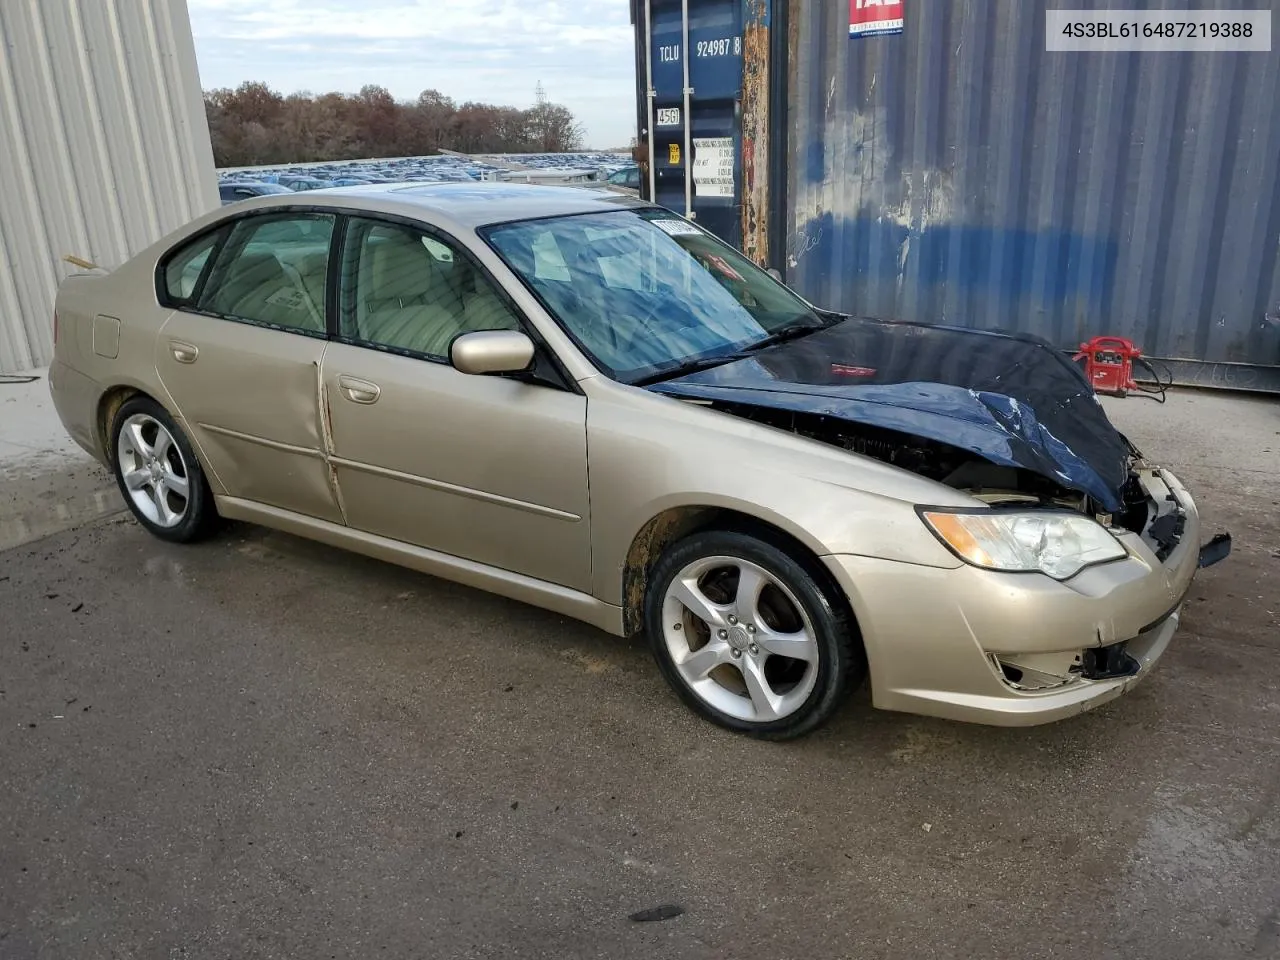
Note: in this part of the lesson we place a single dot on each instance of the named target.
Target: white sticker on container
(676, 228)
(713, 162)
(703, 188)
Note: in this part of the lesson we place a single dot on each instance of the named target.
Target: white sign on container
(713, 167)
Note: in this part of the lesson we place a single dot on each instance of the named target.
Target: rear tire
(158, 474)
(749, 636)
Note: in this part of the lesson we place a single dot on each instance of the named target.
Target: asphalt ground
(263, 747)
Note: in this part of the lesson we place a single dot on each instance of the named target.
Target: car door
(490, 469)
(240, 356)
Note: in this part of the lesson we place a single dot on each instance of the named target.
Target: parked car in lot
(626, 180)
(233, 191)
(297, 184)
(587, 403)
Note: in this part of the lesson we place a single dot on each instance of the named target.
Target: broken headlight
(1057, 544)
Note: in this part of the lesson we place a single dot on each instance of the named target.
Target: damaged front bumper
(1016, 649)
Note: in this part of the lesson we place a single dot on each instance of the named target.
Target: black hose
(9, 378)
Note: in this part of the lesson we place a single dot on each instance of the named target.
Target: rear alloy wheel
(748, 636)
(158, 474)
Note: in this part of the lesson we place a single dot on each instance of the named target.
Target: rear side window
(272, 271)
(182, 270)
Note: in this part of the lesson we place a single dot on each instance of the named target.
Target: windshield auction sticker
(875, 18)
(1116, 31)
(677, 228)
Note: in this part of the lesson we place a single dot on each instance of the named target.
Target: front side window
(272, 271)
(409, 291)
(644, 292)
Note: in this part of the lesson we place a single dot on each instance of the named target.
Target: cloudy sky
(490, 50)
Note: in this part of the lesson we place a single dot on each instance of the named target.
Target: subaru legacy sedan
(589, 404)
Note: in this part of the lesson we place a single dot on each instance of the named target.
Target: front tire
(158, 474)
(749, 636)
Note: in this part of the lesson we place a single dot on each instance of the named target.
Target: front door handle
(184, 352)
(359, 391)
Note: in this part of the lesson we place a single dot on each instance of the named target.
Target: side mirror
(775, 273)
(491, 351)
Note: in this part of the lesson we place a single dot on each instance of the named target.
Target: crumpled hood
(1011, 399)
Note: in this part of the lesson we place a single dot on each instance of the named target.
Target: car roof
(471, 205)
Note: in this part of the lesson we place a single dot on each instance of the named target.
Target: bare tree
(254, 124)
(554, 129)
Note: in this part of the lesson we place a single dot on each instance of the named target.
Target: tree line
(253, 125)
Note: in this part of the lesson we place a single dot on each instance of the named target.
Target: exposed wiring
(1157, 391)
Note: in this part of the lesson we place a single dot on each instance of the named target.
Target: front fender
(648, 458)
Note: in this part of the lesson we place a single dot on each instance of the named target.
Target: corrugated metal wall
(959, 173)
(104, 147)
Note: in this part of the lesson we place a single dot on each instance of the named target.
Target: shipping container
(699, 134)
(104, 148)
(957, 172)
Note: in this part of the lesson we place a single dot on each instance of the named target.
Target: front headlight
(1058, 544)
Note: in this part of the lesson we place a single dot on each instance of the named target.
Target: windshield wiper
(788, 331)
(691, 366)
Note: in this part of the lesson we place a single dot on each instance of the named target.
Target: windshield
(644, 292)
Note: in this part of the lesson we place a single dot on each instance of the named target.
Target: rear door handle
(359, 391)
(184, 352)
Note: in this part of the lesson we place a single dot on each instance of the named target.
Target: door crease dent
(324, 417)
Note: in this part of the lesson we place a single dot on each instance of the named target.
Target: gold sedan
(589, 404)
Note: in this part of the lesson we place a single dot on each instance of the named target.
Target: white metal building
(104, 147)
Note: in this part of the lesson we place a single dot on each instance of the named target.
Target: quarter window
(405, 290)
(272, 271)
(182, 270)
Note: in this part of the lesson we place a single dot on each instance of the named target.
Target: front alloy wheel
(740, 639)
(748, 636)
